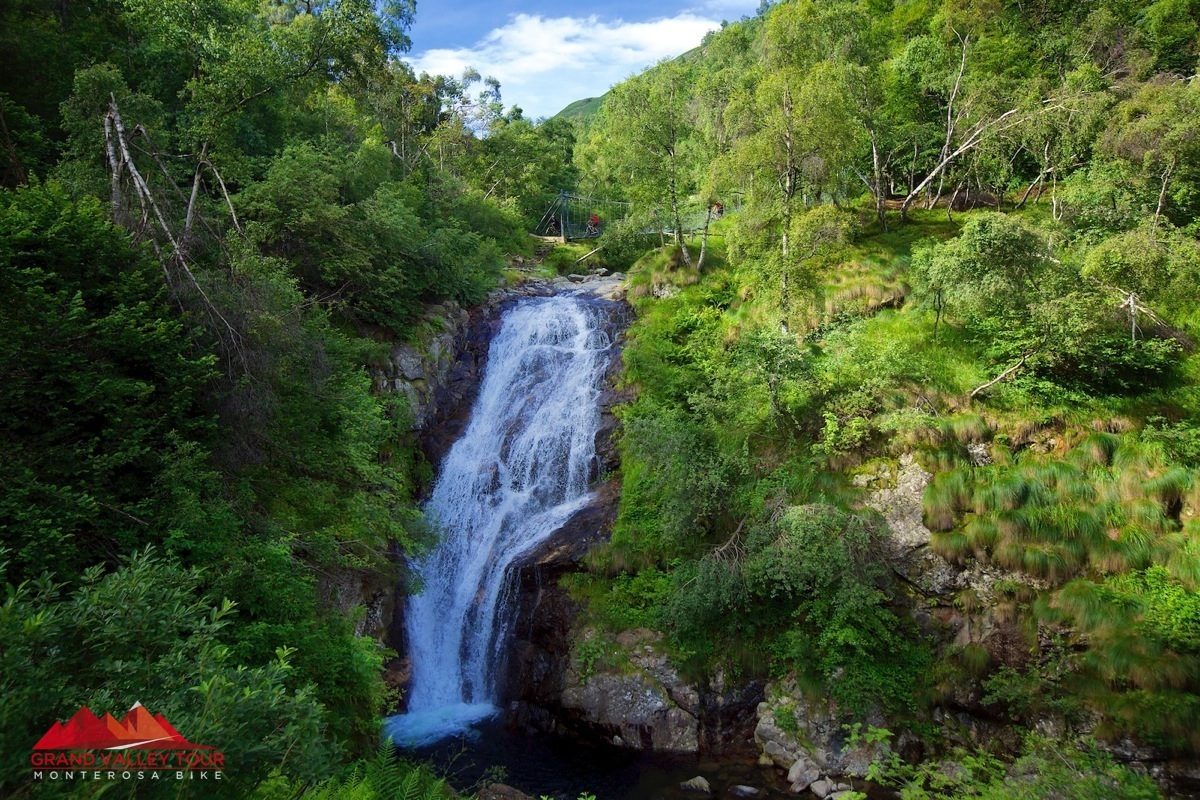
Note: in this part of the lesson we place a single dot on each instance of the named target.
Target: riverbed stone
(821, 788)
(805, 780)
(801, 766)
(744, 792)
(501, 791)
(696, 784)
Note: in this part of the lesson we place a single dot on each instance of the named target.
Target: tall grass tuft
(947, 495)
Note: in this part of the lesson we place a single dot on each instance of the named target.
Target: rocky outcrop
(808, 737)
(544, 616)
(626, 692)
(638, 702)
(348, 589)
(500, 791)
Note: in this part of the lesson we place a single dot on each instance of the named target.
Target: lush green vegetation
(214, 216)
(963, 230)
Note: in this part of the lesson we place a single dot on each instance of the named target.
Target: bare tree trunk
(1162, 194)
(953, 200)
(704, 240)
(974, 139)
(951, 120)
(672, 187)
(789, 191)
(880, 194)
(1037, 182)
(1001, 376)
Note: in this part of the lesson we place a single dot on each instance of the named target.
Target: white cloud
(544, 63)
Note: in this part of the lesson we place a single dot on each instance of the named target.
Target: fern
(383, 777)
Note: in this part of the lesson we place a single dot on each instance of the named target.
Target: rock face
(501, 791)
(540, 654)
(627, 693)
(345, 589)
(643, 705)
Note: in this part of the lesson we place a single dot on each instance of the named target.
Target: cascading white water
(520, 470)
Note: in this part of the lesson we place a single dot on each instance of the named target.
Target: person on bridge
(593, 225)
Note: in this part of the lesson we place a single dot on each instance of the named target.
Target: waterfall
(519, 471)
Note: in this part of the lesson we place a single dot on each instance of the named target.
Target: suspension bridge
(573, 217)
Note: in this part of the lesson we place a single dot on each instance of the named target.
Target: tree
(647, 128)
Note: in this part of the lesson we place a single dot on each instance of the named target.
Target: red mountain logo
(138, 730)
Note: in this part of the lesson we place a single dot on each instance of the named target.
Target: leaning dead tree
(148, 221)
(976, 135)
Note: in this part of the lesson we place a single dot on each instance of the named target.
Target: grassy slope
(875, 383)
(583, 109)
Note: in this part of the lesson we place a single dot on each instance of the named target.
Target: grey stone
(696, 784)
(650, 707)
(978, 454)
(500, 791)
(821, 788)
(743, 791)
(408, 362)
(819, 726)
(802, 765)
(804, 780)
(901, 504)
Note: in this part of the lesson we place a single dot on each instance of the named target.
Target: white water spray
(518, 473)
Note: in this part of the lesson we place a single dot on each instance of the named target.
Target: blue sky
(546, 55)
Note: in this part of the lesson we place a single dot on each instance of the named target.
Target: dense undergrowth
(213, 217)
(1012, 300)
(961, 230)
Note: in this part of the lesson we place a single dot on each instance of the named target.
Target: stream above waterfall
(523, 466)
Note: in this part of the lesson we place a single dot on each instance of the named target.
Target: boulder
(800, 767)
(696, 784)
(637, 707)
(821, 788)
(804, 780)
(500, 791)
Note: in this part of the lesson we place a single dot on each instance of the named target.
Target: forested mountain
(935, 252)
(216, 215)
(960, 231)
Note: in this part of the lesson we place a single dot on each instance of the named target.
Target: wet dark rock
(696, 784)
(501, 791)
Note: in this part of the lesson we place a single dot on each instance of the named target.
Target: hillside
(897, 488)
(915, 421)
(582, 110)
